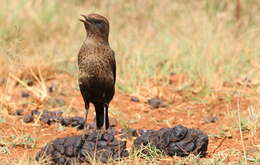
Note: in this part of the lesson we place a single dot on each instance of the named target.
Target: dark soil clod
(84, 148)
(19, 112)
(135, 99)
(36, 112)
(52, 88)
(28, 118)
(30, 83)
(73, 122)
(25, 94)
(179, 141)
(50, 117)
(155, 102)
(210, 119)
(176, 141)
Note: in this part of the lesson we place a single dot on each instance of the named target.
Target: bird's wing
(82, 53)
(113, 65)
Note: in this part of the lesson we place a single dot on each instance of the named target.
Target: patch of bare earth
(214, 111)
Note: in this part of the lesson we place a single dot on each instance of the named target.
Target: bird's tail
(101, 112)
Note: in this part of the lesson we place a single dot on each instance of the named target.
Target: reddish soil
(188, 107)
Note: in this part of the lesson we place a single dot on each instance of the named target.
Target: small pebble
(50, 117)
(30, 83)
(155, 102)
(27, 118)
(25, 94)
(52, 88)
(210, 119)
(135, 99)
(73, 122)
(19, 112)
(35, 112)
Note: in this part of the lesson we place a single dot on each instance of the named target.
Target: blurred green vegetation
(208, 40)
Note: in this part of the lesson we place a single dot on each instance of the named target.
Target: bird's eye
(98, 21)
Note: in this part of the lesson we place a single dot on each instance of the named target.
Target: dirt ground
(214, 111)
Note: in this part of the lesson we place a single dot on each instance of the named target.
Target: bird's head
(96, 26)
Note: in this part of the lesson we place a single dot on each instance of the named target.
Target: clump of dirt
(176, 141)
(51, 117)
(135, 99)
(19, 112)
(84, 148)
(156, 103)
(73, 122)
(28, 118)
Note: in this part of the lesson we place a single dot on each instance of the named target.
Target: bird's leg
(86, 127)
(105, 119)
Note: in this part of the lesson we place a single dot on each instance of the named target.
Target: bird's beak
(85, 20)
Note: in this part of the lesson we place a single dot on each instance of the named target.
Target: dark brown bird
(97, 68)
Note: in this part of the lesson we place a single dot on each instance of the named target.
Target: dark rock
(30, 83)
(25, 94)
(19, 112)
(28, 118)
(176, 141)
(73, 122)
(52, 88)
(155, 102)
(84, 148)
(134, 99)
(210, 119)
(50, 117)
(35, 112)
